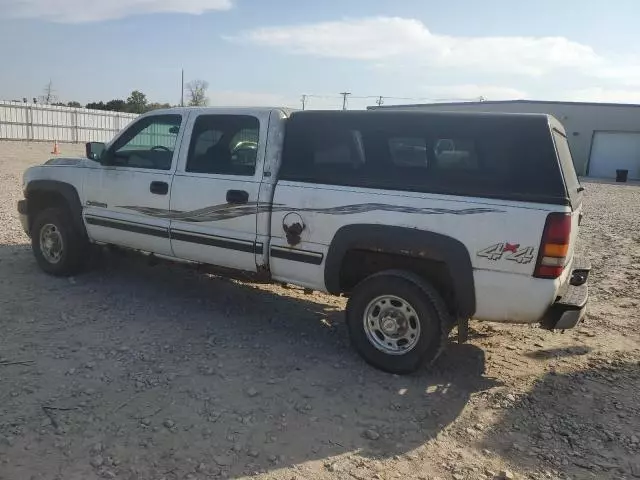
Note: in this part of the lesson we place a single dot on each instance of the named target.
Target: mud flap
(463, 330)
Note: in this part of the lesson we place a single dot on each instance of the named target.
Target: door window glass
(224, 145)
(149, 143)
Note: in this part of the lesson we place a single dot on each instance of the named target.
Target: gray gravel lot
(134, 371)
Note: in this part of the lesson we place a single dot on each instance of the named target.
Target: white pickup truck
(423, 220)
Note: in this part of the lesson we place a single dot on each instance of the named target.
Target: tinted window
(410, 152)
(224, 145)
(328, 154)
(568, 168)
(456, 154)
(448, 153)
(205, 140)
(148, 143)
(492, 156)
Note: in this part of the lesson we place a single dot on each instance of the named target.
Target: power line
(324, 96)
(468, 99)
(381, 99)
(422, 99)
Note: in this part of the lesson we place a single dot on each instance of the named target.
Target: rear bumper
(24, 216)
(571, 308)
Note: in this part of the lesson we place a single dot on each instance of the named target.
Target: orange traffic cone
(56, 148)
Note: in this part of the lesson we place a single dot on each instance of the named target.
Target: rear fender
(408, 242)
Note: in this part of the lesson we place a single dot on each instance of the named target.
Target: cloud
(250, 99)
(625, 71)
(79, 11)
(600, 94)
(381, 39)
(408, 51)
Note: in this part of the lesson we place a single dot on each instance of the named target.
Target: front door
(127, 197)
(214, 197)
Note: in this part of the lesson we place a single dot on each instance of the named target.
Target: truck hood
(66, 162)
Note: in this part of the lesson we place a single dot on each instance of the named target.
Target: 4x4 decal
(508, 251)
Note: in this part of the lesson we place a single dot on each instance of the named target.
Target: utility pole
(380, 101)
(182, 94)
(344, 99)
(49, 96)
(304, 101)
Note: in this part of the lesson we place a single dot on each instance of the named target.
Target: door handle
(159, 188)
(237, 196)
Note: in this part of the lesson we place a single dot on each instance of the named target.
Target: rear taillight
(554, 247)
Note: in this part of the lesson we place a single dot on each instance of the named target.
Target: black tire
(75, 245)
(431, 314)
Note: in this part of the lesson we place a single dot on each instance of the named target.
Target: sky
(271, 52)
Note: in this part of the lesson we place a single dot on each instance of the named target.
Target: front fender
(63, 189)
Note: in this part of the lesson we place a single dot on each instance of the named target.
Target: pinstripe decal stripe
(229, 211)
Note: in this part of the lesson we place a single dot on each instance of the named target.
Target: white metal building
(603, 137)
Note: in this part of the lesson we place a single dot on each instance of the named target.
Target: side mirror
(94, 150)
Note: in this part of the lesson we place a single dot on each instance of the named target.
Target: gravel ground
(134, 371)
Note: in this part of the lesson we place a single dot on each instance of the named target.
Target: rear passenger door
(214, 197)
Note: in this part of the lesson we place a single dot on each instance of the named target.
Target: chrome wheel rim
(392, 325)
(51, 244)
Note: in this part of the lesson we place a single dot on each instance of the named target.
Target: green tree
(157, 106)
(117, 105)
(137, 102)
(96, 106)
(74, 104)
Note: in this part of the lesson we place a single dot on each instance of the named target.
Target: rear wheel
(60, 249)
(397, 321)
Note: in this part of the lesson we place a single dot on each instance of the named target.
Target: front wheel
(397, 321)
(57, 245)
